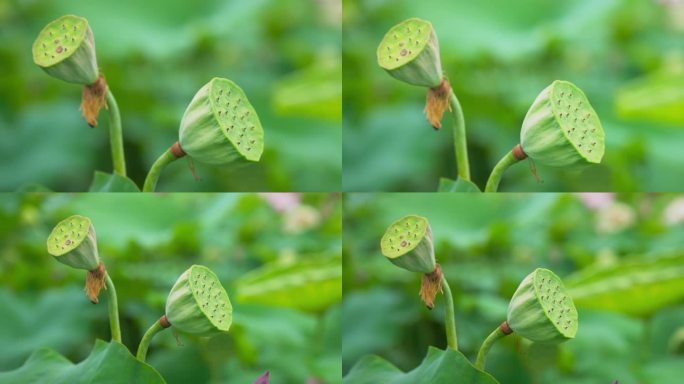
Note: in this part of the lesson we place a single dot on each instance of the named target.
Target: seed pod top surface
(59, 40)
(408, 244)
(410, 52)
(198, 303)
(541, 309)
(73, 242)
(403, 43)
(403, 236)
(562, 129)
(68, 235)
(65, 49)
(220, 125)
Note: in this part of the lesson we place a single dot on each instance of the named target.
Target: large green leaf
(107, 363)
(108, 182)
(310, 285)
(438, 367)
(637, 287)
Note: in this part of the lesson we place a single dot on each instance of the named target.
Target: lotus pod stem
(500, 331)
(449, 316)
(540, 310)
(408, 244)
(65, 49)
(73, 242)
(561, 129)
(144, 345)
(170, 155)
(409, 52)
(513, 156)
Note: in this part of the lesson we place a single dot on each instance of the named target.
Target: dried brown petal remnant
(431, 284)
(93, 99)
(437, 102)
(95, 281)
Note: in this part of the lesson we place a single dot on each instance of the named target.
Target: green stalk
(497, 172)
(113, 308)
(147, 337)
(460, 140)
(116, 135)
(153, 176)
(487, 344)
(449, 317)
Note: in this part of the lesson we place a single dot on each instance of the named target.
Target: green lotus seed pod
(220, 126)
(408, 244)
(561, 129)
(65, 49)
(198, 304)
(73, 242)
(541, 310)
(410, 53)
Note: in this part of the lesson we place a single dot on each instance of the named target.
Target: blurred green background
(627, 55)
(278, 255)
(621, 257)
(156, 55)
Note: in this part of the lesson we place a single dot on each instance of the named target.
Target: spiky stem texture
(460, 140)
(113, 308)
(449, 317)
(116, 135)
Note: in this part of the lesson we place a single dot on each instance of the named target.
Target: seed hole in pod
(59, 49)
(50, 33)
(403, 52)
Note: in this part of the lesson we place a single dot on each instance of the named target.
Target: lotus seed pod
(561, 129)
(220, 126)
(65, 49)
(410, 53)
(73, 242)
(541, 310)
(198, 304)
(408, 244)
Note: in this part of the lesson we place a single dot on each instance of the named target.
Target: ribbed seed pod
(541, 310)
(198, 304)
(65, 49)
(73, 242)
(220, 126)
(410, 52)
(408, 244)
(561, 129)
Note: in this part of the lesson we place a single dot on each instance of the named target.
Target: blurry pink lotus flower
(596, 200)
